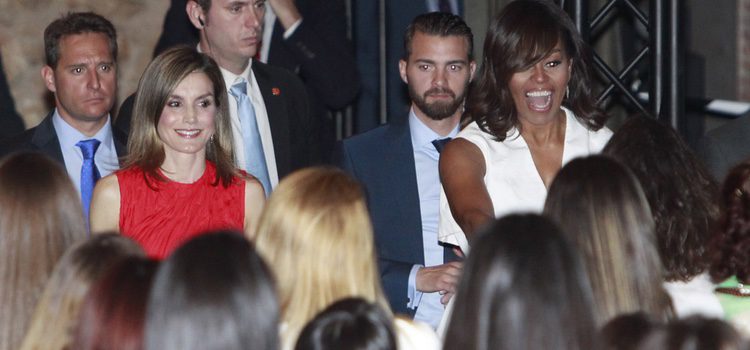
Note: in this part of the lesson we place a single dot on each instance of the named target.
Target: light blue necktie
(255, 159)
(89, 173)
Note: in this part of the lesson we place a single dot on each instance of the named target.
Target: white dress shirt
(261, 117)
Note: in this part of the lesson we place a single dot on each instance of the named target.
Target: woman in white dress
(531, 111)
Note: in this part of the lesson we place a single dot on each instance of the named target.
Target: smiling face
(538, 91)
(84, 81)
(187, 121)
(438, 72)
(231, 31)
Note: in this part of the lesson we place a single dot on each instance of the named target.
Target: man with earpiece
(268, 106)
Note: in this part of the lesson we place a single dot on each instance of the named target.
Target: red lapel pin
(276, 91)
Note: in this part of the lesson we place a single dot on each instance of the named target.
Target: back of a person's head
(316, 235)
(680, 191)
(601, 207)
(212, 293)
(112, 316)
(523, 287)
(349, 324)
(58, 309)
(640, 332)
(729, 247)
(40, 217)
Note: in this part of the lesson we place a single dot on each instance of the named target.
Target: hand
(441, 278)
(286, 12)
(446, 298)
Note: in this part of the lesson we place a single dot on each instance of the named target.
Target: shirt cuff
(414, 296)
(292, 28)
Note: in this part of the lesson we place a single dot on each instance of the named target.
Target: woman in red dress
(179, 178)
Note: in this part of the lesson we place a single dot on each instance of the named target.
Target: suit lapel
(399, 159)
(277, 117)
(45, 139)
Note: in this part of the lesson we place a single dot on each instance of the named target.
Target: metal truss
(664, 96)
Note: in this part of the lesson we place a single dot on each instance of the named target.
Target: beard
(438, 110)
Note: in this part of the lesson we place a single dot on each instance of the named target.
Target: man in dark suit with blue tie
(398, 165)
(81, 71)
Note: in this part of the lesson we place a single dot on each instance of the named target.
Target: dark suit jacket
(288, 116)
(318, 52)
(43, 138)
(383, 160)
(726, 146)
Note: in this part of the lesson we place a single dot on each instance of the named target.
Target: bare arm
(255, 199)
(462, 171)
(105, 206)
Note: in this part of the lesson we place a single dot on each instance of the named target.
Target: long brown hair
(600, 206)
(161, 77)
(40, 217)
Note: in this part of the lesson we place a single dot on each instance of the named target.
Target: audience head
(213, 293)
(58, 309)
(81, 69)
(523, 287)
(77, 23)
(40, 217)
(438, 61)
(524, 34)
(316, 235)
(113, 314)
(639, 332)
(351, 323)
(600, 206)
(233, 38)
(679, 190)
(440, 24)
(181, 86)
(729, 248)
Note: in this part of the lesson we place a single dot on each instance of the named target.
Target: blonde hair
(56, 313)
(316, 236)
(40, 217)
(603, 211)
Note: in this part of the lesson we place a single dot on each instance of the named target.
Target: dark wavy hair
(350, 323)
(729, 247)
(501, 304)
(522, 34)
(640, 332)
(679, 190)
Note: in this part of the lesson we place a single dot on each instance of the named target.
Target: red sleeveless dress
(166, 214)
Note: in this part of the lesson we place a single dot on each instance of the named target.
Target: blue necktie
(89, 173)
(440, 143)
(255, 159)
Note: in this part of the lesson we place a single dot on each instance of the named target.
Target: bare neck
(183, 167)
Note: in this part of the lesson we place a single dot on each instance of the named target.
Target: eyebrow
(208, 94)
(424, 60)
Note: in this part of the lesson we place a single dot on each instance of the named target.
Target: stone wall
(138, 24)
